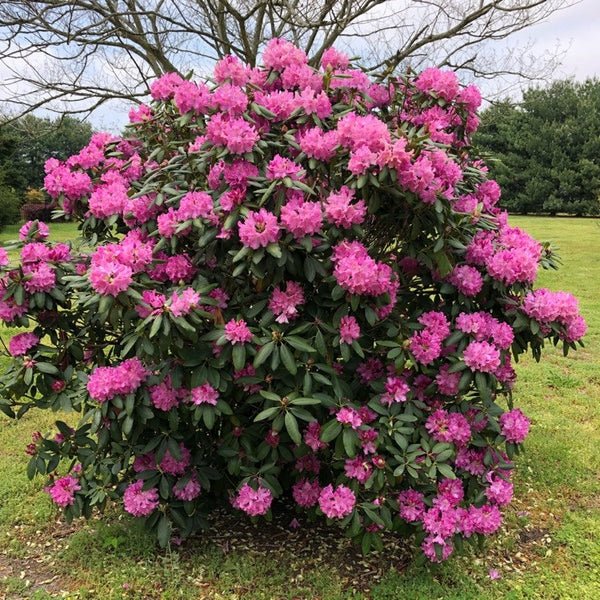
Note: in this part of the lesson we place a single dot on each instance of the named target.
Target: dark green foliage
(547, 149)
(27, 143)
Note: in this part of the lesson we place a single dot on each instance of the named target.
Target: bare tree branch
(86, 52)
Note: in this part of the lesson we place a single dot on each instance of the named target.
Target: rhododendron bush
(295, 286)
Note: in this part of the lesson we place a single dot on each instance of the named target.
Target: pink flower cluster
(252, 501)
(349, 329)
(237, 332)
(62, 491)
(259, 229)
(336, 503)
(284, 305)
(514, 426)
(107, 382)
(426, 344)
(140, 502)
(548, 307)
(356, 272)
(452, 427)
(21, 343)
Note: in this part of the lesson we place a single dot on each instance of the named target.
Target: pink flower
(336, 503)
(316, 143)
(253, 501)
(358, 468)
(180, 268)
(426, 346)
(139, 502)
(163, 396)
(37, 230)
(284, 305)
(107, 382)
(39, 277)
(4, 260)
(467, 280)
(485, 519)
(358, 273)
(434, 544)
(514, 425)
(21, 343)
(369, 371)
(230, 68)
(155, 303)
(311, 436)
(494, 574)
(350, 416)
(309, 463)
(396, 389)
(280, 167)
(62, 491)
(447, 382)
(349, 329)
(235, 133)
(237, 332)
(110, 278)
(448, 427)
(482, 356)
(301, 218)
(195, 205)
(451, 491)
(164, 87)
(280, 54)
(182, 305)
(500, 491)
(259, 229)
(189, 491)
(412, 506)
(340, 212)
(169, 464)
(335, 60)
(204, 394)
(440, 83)
(306, 492)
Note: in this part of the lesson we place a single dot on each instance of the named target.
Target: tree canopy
(86, 52)
(547, 149)
(26, 144)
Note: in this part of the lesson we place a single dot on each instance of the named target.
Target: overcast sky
(576, 30)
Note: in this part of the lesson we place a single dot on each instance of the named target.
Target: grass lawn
(549, 547)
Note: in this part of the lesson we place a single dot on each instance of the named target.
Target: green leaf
(303, 414)
(291, 425)
(263, 354)
(274, 250)
(163, 531)
(304, 402)
(446, 470)
(44, 367)
(267, 413)
(320, 344)
(350, 439)
(288, 360)
(372, 515)
(155, 326)
(330, 430)
(299, 343)
(270, 395)
(238, 354)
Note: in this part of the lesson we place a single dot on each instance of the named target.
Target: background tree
(547, 149)
(86, 52)
(25, 145)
